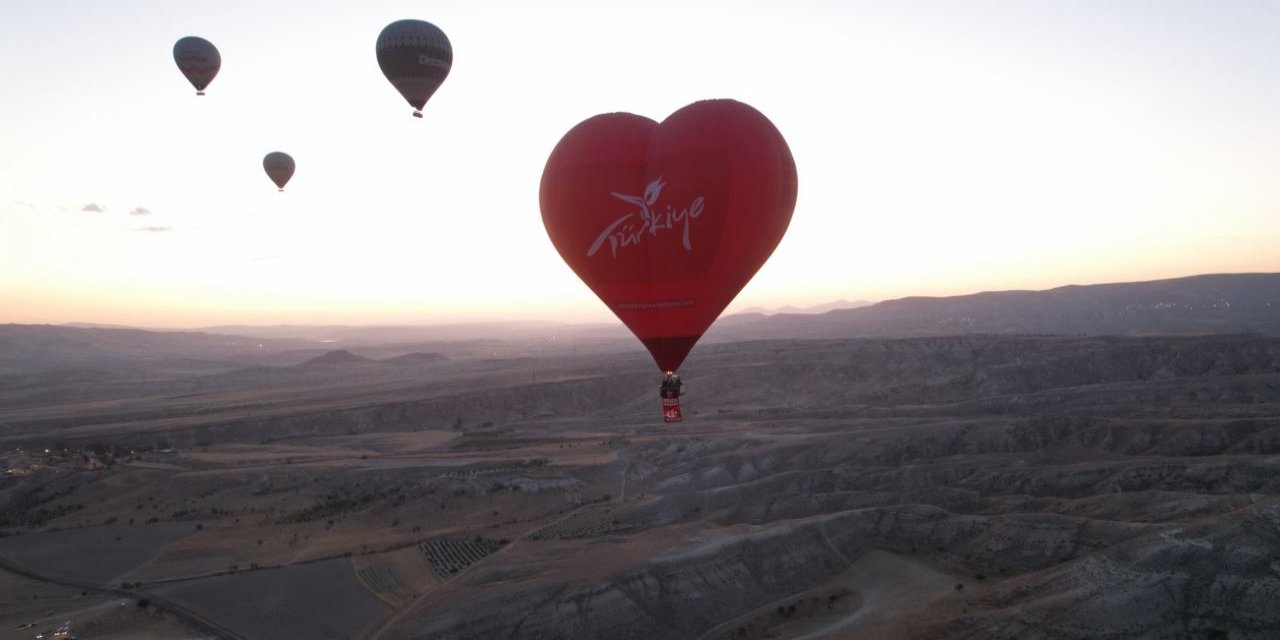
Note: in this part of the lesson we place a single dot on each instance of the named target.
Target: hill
(416, 358)
(357, 336)
(818, 308)
(1206, 304)
(28, 349)
(338, 358)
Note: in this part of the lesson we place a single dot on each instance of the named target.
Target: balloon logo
(198, 60)
(416, 57)
(667, 222)
(279, 167)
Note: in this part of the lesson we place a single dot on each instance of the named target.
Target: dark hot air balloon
(416, 57)
(668, 222)
(198, 60)
(279, 167)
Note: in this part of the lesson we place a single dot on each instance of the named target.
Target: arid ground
(941, 487)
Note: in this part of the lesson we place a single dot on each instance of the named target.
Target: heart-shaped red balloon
(667, 222)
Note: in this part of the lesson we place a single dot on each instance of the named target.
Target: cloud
(93, 207)
(155, 229)
(139, 211)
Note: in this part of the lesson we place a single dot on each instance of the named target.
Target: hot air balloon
(667, 222)
(416, 57)
(198, 60)
(279, 167)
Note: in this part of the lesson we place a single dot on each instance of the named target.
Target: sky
(942, 148)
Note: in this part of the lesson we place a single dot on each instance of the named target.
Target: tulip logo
(631, 228)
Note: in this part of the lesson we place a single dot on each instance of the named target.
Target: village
(58, 457)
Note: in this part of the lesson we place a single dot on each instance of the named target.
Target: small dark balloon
(198, 60)
(279, 167)
(416, 57)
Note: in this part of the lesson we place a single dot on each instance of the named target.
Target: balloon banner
(670, 405)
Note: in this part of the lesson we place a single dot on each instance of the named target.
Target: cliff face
(1046, 488)
(1116, 520)
(1053, 577)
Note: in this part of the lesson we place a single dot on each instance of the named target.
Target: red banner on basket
(670, 405)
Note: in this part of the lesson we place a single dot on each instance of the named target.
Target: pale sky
(942, 148)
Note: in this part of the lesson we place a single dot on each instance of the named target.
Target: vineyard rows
(449, 556)
(380, 578)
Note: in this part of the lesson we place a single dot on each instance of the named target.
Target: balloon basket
(417, 114)
(199, 93)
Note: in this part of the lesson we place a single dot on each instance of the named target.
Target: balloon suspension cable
(417, 114)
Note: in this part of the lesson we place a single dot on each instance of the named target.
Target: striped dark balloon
(416, 57)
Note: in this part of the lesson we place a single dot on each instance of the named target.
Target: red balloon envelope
(667, 222)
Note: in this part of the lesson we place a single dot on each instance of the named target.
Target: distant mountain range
(343, 358)
(396, 334)
(1227, 303)
(1230, 303)
(819, 308)
(37, 348)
